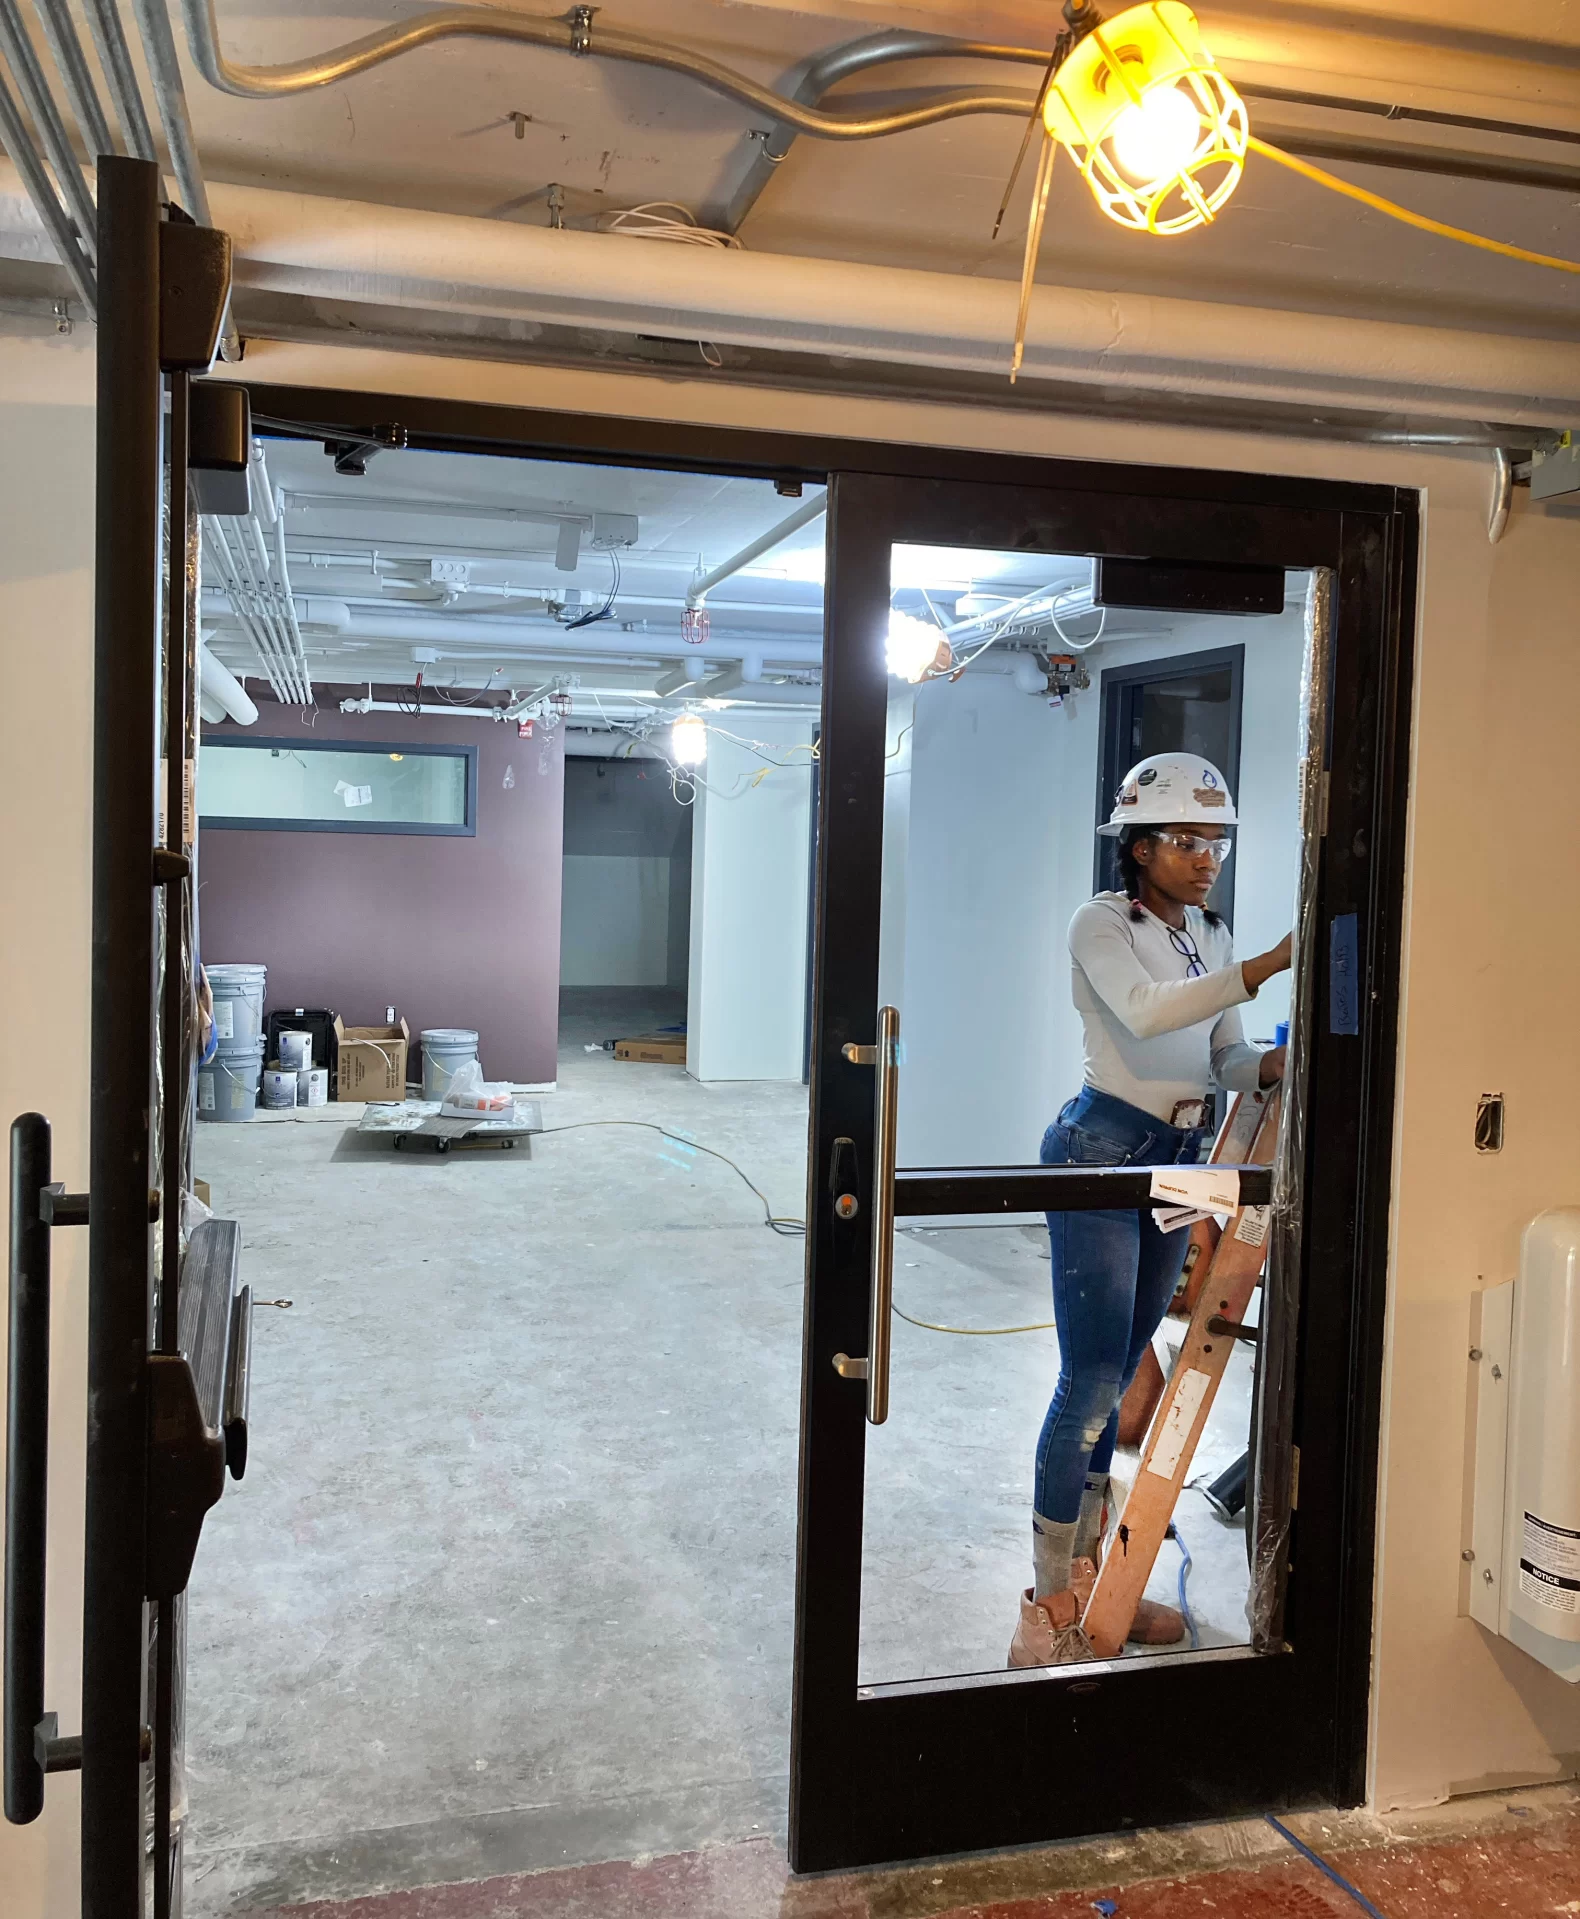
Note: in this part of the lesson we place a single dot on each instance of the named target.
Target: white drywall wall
(750, 849)
(614, 921)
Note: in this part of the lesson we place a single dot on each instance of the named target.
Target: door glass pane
(1000, 770)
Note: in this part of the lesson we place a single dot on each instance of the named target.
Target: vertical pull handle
(885, 1056)
(26, 1468)
(880, 1321)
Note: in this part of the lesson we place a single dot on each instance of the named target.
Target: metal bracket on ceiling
(581, 30)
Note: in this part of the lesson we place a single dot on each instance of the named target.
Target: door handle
(885, 1057)
(33, 1746)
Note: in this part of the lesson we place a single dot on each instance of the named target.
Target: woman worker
(1158, 989)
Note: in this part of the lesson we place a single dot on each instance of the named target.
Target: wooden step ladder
(1237, 1255)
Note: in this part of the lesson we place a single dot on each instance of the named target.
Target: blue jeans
(1113, 1277)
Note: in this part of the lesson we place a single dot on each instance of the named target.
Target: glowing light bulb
(1155, 140)
(914, 646)
(688, 740)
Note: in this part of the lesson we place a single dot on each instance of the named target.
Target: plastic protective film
(1272, 1423)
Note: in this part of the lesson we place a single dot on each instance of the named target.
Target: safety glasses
(1192, 845)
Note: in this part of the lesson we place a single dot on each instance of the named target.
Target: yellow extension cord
(1397, 212)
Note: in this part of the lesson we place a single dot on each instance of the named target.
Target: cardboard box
(660, 1049)
(372, 1061)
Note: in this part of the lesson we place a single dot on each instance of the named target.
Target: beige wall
(1490, 942)
(46, 719)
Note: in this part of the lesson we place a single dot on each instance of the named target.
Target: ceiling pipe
(76, 77)
(17, 46)
(304, 244)
(804, 515)
(44, 203)
(221, 687)
(120, 77)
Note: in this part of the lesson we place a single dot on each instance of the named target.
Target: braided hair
(1130, 873)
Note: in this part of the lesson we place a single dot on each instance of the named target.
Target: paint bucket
(296, 1050)
(238, 1001)
(227, 1087)
(279, 1089)
(445, 1050)
(312, 1086)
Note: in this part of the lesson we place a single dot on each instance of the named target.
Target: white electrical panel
(1522, 1553)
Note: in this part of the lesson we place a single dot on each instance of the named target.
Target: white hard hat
(1168, 789)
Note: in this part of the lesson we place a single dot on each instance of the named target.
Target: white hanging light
(915, 648)
(688, 740)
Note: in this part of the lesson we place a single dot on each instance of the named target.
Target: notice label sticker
(225, 1019)
(1254, 1222)
(206, 1093)
(1183, 1406)
(1550, 1565)
(1209, 1189)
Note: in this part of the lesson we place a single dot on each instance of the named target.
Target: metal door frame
(882, 1778)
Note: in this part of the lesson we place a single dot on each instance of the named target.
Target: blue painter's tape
(1344, 974)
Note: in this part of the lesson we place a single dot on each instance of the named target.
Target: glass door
(990, 1247)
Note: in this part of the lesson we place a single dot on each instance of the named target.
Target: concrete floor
(508, 1585)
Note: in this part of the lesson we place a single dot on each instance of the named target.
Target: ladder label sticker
(1253, 1225)
(1210, 1189)
(1184, 1405)
(1550, 1565)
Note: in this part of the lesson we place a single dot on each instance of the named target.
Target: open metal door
(916, 1752)
(166, 1341)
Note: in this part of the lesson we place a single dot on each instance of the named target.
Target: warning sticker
(1550, 1565)
(224, 1019)
(1183, 1406)
(1253, 1224)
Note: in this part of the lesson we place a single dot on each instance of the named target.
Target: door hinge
(186, 1474)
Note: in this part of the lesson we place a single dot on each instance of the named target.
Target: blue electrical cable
(1322, 1866)
(1186, 1562)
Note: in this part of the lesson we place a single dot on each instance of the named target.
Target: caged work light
(1158, 133)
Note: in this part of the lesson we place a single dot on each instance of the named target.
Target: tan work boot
(1153, 1625)
(1049, 1632)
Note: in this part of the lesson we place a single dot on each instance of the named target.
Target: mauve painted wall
(452, 932)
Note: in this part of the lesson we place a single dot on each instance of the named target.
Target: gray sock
(1052, 1544)
(1089, 1526)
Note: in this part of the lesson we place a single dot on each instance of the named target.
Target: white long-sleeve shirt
(1151, 1035)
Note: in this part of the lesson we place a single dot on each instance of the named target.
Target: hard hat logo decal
(1208, 776)
(1146, 776)
(1128, 794)
(1208, 796)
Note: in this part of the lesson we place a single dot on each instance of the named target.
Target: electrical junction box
(614, 529)
(1520, 1561)
(1556, 471)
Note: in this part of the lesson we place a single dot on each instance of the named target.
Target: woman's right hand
(1265, 965)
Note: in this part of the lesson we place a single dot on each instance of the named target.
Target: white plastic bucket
(445, 1050)
(227, 1087)
(296, 1050)
(279, 1089)
(312, 1086)
(238, 1001)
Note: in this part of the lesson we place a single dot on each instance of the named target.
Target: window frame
(1117, 689)
(228, 823)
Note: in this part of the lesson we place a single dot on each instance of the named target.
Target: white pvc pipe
(221, 688)
(804, 514)
(350, 250)
(292, 242)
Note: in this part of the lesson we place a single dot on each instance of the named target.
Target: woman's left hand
(1273, 1065)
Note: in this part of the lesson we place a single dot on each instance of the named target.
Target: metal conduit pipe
(40, 104)
(164, 70)
(76, 77)
(804, 514)
(797, 111)
(120, 76)
(57, 223)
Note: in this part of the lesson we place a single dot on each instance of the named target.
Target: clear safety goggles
(1192, 845)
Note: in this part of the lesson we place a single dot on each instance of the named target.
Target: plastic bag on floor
(469, 1095)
